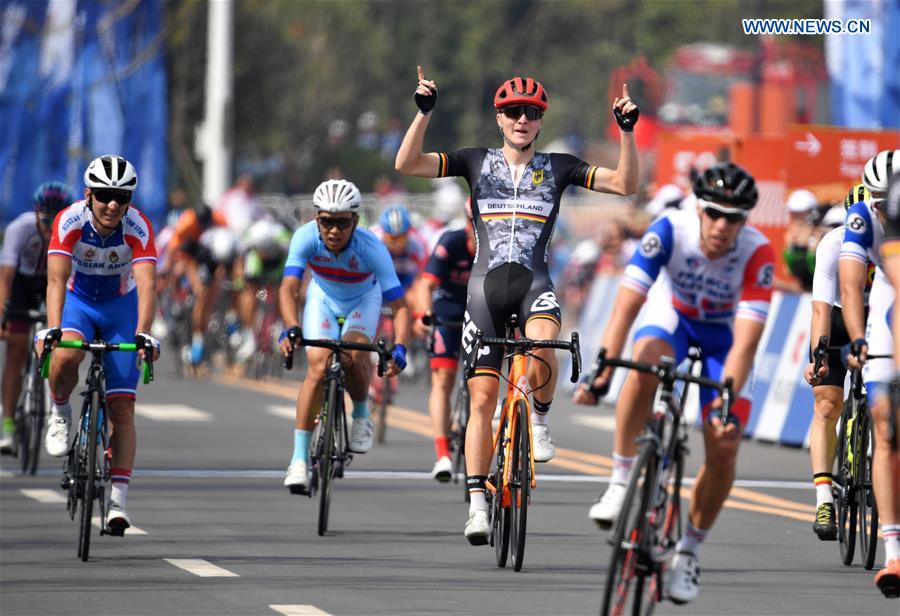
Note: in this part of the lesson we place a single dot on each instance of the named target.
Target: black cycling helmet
(51, 198)
(728, 184)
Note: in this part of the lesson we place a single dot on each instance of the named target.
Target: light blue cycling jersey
(365, 262)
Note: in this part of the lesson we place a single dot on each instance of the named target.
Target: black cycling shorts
(838, 336)
(506, 290)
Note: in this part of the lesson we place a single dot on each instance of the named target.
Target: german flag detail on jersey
(589, 178)
(890, 248)
(442, 165)
(543, 315)
(487, 371)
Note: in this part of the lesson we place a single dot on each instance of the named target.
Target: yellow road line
(571, 459)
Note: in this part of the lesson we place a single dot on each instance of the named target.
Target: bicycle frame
(516, 389)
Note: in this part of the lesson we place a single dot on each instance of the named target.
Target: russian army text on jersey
(736, 285)
(101, 267)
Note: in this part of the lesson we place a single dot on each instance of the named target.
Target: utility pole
(214, 136)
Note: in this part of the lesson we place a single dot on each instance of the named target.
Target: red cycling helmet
(521, 91)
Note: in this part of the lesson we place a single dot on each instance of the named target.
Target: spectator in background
(833, 218)
(800, 240)
(449, 204)
(367, 137)
(616, 249)
(393, 136)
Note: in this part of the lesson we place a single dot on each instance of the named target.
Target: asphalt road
(222, 536)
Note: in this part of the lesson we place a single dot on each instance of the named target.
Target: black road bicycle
(649, 526)
(329, 451)
(459, 412)
(31, 407)
(86, 469)
(854, 497)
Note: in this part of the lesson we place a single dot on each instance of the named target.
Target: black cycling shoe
(825, 526)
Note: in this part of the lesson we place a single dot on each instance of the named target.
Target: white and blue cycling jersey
(347, 276)
(863, 236)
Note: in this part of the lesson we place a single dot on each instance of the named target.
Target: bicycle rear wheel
(89, 453)
(500, 518)
(327, 461)
(845, 497)
(868, 510)
(32, 425)
(520, 486)
(458, 421)
(628, 566)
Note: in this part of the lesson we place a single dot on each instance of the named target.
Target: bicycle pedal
(116, 528)
(299, 490)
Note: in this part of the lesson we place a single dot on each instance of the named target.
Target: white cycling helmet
(111, 171)
(221, 242)
(267, 236)
(879, 169)
(337, 196)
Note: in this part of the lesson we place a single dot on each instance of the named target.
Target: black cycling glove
(426, 102)
(626, 121)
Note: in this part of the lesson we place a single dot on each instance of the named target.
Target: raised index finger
(624, 90)
(421, 73)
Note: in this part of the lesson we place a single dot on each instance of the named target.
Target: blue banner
(79, 79)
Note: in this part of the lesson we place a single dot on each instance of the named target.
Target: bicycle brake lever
(575, 350)
(382, 353)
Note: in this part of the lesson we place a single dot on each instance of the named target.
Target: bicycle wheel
(381, 411)
(520, 487)
(459, 418)
(89, 452)
(845, 493)
(628, 566)
(500, 518)
(327, 461)
(34, 422)
(868, 510)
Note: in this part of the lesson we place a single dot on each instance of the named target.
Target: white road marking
(171, 412)
(44, 496)
(132, 530)
(600, 422)
(299, 610)
(200, 567)
(287, 411)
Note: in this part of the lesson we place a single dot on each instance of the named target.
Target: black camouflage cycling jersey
(515, 222)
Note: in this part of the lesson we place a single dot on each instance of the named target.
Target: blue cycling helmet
(51, 198)
(395, 220)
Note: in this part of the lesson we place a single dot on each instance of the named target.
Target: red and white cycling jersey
(736, 285)
(101, 266)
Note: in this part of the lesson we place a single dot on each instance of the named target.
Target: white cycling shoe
(606, 511)
(297, 478)
(443, 470)
(361, 434)
(117, 519)
(684, 578)
(544, 448)
(57, 439)
(478, 528)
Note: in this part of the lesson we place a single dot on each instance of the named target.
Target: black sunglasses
(732, 218)
(329, 222)
(105, 195)
(514, 112)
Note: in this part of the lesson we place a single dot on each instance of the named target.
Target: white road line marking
(287, 411)
(200, 567)
(132, 530)
(607, 424)
(299, 610)
(44, 496)
(171, 412)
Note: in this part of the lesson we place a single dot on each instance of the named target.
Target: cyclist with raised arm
(828, 383)
(352, 275)
(101, 283)
(441, 293)
(515, 199)
(714, 295)
(23, 284)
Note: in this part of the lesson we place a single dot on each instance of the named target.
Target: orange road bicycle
(512, 482)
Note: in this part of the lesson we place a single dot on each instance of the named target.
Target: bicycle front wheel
(520, 486)
(329, 454)
(34, 421)
(845, 497)
(868, 510)
(628, 565)
(89, 455)
(500, 518)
